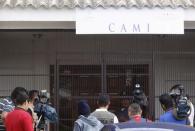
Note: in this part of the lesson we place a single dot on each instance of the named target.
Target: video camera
(139, 96)
(44, 111)
(181, 103)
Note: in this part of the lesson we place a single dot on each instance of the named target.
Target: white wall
(23, 65)
(64, 18)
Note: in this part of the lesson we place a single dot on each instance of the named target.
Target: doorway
(86, 82)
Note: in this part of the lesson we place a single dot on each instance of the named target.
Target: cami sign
(129, 21)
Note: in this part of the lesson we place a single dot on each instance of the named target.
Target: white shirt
(104, 109)
(191, 116)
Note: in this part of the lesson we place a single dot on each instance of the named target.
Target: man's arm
(115, 119)
(4, 115)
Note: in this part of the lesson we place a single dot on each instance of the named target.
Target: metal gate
(86, 82)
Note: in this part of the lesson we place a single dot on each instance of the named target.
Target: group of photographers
(31, 111)
(27, 111)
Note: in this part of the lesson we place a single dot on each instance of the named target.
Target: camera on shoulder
(182, 108)
(46, 113)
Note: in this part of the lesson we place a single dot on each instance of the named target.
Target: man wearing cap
(85, 122)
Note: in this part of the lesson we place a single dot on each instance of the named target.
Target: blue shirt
(168, 117)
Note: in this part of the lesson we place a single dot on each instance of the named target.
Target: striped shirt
(6, 105)
(103, 115)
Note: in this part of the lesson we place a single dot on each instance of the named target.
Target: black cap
(83, 108)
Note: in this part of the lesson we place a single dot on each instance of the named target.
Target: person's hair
(103, 100)
(166, 100)
(188, 96)
(33, 94)
(19, 95)
(135, 109)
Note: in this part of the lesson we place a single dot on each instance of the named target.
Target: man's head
(166, 101)
(20, 97)
(33, 95)
(83, 108)
(128, 82)
(134, 109)
(103, 101)
(125, 103)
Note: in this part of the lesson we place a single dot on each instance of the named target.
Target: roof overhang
(97, 3)
(61, 14)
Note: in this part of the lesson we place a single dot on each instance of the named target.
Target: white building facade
(39, 49)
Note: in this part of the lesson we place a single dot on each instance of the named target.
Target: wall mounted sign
(129, 21)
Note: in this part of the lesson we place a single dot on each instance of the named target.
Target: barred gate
(86, 82)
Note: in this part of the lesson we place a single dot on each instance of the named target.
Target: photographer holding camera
(167, 105)
(45, 112)
(140, 98)
(183, 108)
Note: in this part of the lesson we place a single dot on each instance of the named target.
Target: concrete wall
(23, 63)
